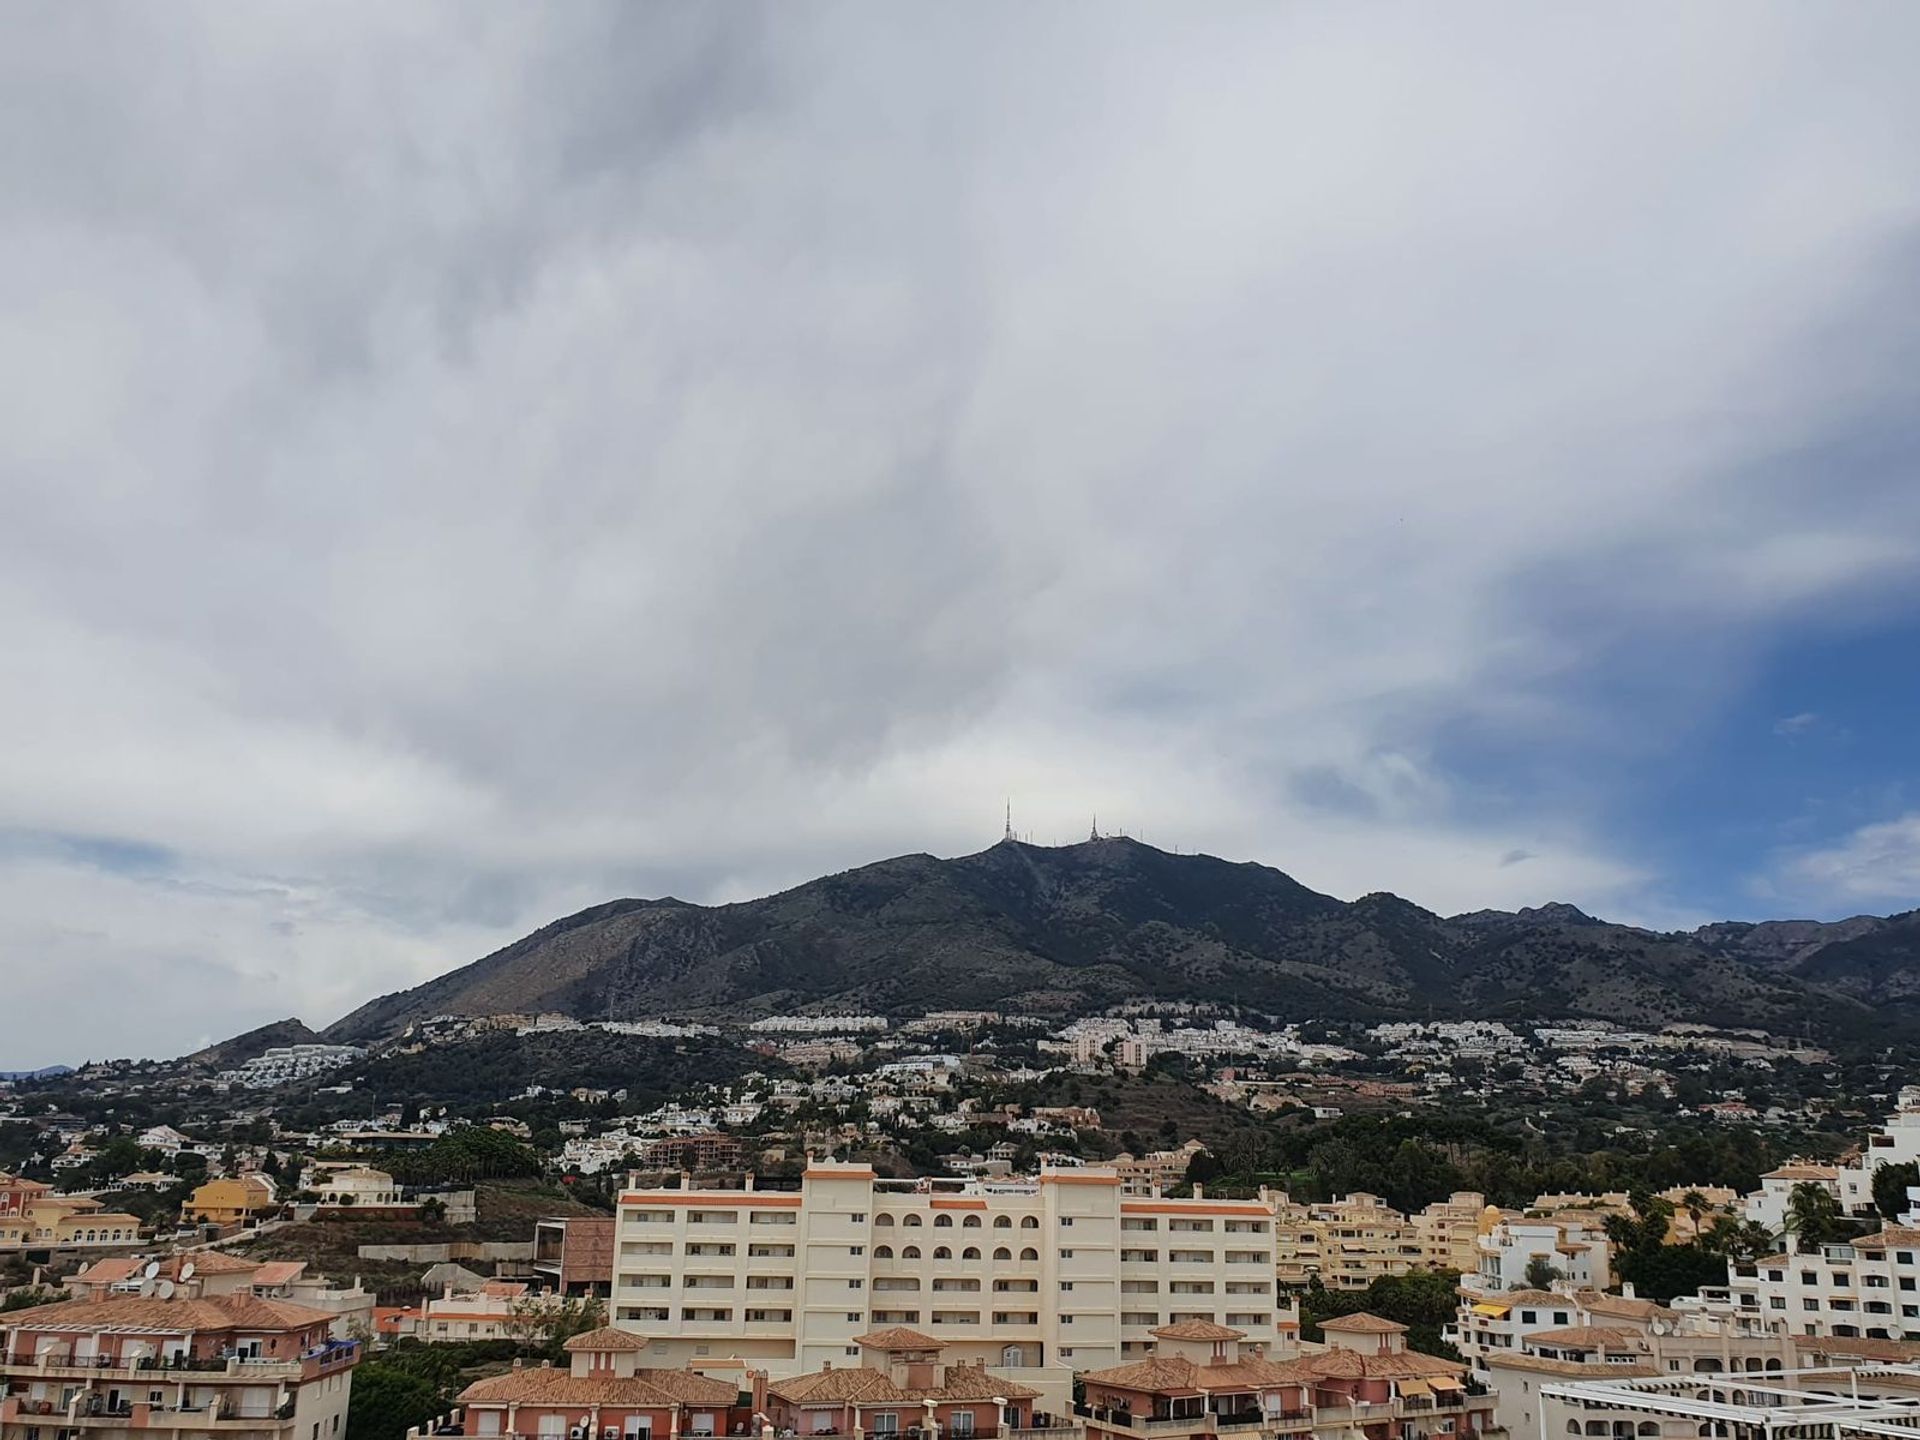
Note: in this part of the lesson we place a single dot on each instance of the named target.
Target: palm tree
(1813, 1215)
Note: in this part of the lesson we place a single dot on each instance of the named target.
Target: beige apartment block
(1062, 1271)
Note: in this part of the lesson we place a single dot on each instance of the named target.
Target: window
(1810, 1303)
(887, 1422)
(1029, 1222)
(883, 1252)
(855, 1284)
(1029, 1254)
(853, 1317)
(856, 1249)
(1066, 1221)
(1066, 1254)
(883, 1219)
(911, 1220)
(858, 1217)
(909, 1252)
(1002, 1222)
(972, 1222)
(1001, 1252)
(941, 1252)
(943, 1222)
(1066, 1285)
(972, 1252)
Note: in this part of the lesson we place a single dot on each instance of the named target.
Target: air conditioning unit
(610, 1432)
(578, 1432)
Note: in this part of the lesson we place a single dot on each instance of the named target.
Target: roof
(547, 1385)
(136, 1312)
(1517, 1297)
(897, 1337)
(1175, 1374)
(1887, 1235)
(1802, 1170)
(1587, 1337)
(1356, 1365)
(1362, 1324)
(1198, 1330)
(863, 1386)
(1620, 1307)
(606, 1338)
(208, 1262)
(279, 1272)
(110, 1272)
(1570, 1369)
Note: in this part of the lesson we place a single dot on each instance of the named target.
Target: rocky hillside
(1051, 930)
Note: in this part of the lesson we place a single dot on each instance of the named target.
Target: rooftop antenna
(1096, 827)
(1008, 835)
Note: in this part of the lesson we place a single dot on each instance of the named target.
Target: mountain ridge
(1055, 930)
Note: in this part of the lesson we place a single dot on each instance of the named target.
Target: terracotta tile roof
(1856, 1347)
(110, 1272)
(605, 1339)
(1589, 1337)
(1888, 1235)
(206, 1262)
(1353, 1365)
(134, 1312)
(1619, 1307)
(896, 1337)
(1198, 1330)
(1363, 1324)
(550, 1386)
(1802, 1170)
(1517, 1297)
(862, 1386)
(279, 1272)
(1177, 1375)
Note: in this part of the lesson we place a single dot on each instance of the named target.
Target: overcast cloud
(463, 463)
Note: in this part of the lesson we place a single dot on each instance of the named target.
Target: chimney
(1199, 1192)
(517, 1364)
(1626, 1290)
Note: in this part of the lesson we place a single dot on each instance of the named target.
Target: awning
(1493, 1312)
(1414, 1387)
(1444, 1382)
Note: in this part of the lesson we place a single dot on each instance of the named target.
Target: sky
(463, 463)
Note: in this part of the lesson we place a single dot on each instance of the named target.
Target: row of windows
(941, 1252)
(969, 1222)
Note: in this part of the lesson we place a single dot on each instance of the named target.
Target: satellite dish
(186, 1271)
(152, 1269)
(164, 1289)
(147, 1287)
(1659, 1327)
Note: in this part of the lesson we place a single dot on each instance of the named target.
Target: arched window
(1002, 1222)
(883, 1218)
(1029, 1222)
(1706, 1365)
(972, 1222)
(909, 1252)
(911, 1220)
(943, 1222)
(1773, 1364)
(883, 1252)
(970, 1253)
(1596, 1427)
(1573, 1427)
(941, 1252)
(1649, 1427)
(1029, 1254)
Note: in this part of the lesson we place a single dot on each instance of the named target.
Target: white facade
(1063, 1271)
(1580, 1253)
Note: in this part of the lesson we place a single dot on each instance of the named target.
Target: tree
(549, 1321)
(1890, 1185)
(1542, 1272)
(1813, 1216)
(386, 1402)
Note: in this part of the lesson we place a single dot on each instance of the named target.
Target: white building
(1768, 1205)
(1060, 1272)
(1579, 1253)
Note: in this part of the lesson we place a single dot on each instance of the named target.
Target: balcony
(1146, 1424)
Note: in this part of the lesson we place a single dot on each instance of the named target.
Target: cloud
(1877, 865)
(463, 467)
(1790, 726)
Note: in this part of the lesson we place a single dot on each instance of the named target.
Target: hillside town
(959, 1223)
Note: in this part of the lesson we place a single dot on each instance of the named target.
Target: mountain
(1055, 930)
(241, 1048)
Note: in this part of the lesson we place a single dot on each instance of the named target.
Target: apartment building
(602, 1392)
(1061, 1271)
(1577, 1250)
(1202, 1383)
(33, 1218)
(1869, 1289)
(1449, 1231)
(1347, 1243)
(233, 1366)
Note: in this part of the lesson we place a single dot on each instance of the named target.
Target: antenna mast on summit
(1008, 835)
